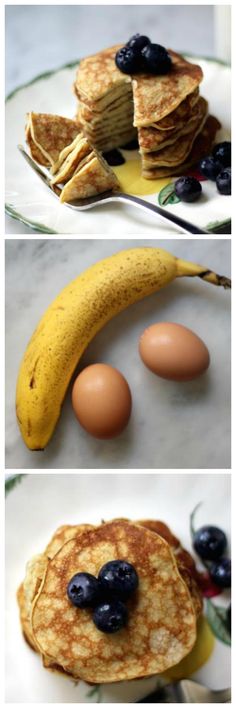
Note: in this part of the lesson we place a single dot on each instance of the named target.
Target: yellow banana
(73, 319)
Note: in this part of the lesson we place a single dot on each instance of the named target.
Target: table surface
(172, 425)
(41, 38)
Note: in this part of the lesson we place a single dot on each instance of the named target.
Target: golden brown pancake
(201, 147)
(162, 621)
(185, 562)
(157, 96)
(178, 117)
(92, 176)
(35, 571)
(69, 159)
(176, 153)
(151, 139)
(98, 79)
(48, 134)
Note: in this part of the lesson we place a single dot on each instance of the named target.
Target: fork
(187, 691)
(90, 202)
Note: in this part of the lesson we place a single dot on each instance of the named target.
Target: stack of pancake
(58, 143)
(174, 130)
(161, 629)
(105, 109)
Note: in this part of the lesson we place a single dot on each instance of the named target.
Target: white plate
(41, 503)
(29, 201)
(183, 425)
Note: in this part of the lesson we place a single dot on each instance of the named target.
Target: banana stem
(185, 268)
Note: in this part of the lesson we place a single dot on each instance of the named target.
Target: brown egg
(173, 352)
(102, 401)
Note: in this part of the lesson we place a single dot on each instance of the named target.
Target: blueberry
(222, 152)
(156, 59)
(110, 616)
(118, 577)
(210, 167)
(138, 41)
(220, 573)
(223, 181)
(83, 590)
(114, 157)
(188, 189)
(210, 542)
(128, 61)
(131, 145)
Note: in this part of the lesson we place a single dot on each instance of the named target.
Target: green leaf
(95, 691)
(167, 195)
(217, 618)
(192, 520)
(12, 482)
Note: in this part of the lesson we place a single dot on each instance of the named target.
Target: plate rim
(37, 226)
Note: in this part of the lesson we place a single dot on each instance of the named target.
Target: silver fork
(90, 202)
(187, 691)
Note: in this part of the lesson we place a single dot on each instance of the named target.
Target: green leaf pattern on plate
(12, 482)
(167, 195)
(96, 693)
(192, 519)
(217, 618)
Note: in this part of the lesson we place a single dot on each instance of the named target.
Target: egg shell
(101, 400)
(173, 352)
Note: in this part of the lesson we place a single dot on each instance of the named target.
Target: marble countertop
(172, 425)
(43, 37)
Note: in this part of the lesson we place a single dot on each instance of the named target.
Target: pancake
(27, 592)
(116, 108)
(157, 96)
(162, 621)
(178, 117)
(151, 139)
(62, 535)
(69, 159)
(185, 562)
(48, 134)
(176, 153)
(201, 147)
(92, 176)
(24, 618)
(98, 79)
(35, 571)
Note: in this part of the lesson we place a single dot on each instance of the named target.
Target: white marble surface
(172, 425)
(40, 38)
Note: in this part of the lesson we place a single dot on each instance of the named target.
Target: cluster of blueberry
(106, 594)
(216, 167)
(210, 544)
(140, 55)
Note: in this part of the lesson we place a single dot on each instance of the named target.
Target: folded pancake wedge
(176, 153)
(69, 159)
(201, 147)
(157, 96)
(162, 622)
(47, 135)
(92, 176)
